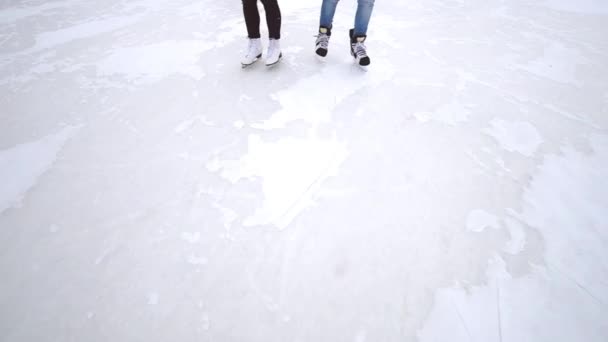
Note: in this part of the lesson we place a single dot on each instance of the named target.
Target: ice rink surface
(152, 190)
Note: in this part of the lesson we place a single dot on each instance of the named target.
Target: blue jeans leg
(328, 10)
(364, 13)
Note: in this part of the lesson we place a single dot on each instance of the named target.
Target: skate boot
(273, 56)
(322, 42)
(358, 49)
(253, 52)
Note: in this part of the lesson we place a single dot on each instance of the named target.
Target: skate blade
(277, 62)
(243, 66)
(362, 67)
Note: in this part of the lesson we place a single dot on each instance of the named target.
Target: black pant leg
(273, 18)
(252, 18)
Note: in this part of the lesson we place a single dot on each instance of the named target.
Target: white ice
(151, 189)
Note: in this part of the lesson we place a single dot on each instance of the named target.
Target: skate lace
(360, 50)
(322, 40)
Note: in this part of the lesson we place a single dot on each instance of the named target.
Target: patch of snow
(22, 165)
(191, 237)
(238, 124)
(153, 298)
(205, 323)
(11, 15)
(343, 83)
(449, 114)
(194, 260)
(291, 170)
(521, 137)
(562, 300)
(518, 236)
(478, 220)
(53, 228)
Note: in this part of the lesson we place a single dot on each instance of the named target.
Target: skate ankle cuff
(326, 29)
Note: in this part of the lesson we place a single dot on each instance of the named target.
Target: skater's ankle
(325, 30)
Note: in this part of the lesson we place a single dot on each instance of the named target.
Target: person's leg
(364, 13)
(254, 44)
(252, 18)
(273, 18)
(328, 10)
(358, 35)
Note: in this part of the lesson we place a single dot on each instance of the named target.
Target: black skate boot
(358, 49)
(322, 42)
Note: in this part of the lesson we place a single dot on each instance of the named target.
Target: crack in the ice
(498, 309)
(315, 181)
(579, 285)
(462, 320)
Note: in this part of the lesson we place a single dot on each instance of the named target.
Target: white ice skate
(274, 52)
(253, 52)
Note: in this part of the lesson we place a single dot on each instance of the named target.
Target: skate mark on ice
(498, 310)
(462, 321)
(577, 283)
(284, 217)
